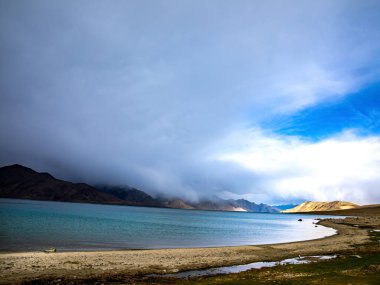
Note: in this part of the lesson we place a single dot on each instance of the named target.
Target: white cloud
(315, 85)
(342, 167)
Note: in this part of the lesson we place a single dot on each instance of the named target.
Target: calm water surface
(35, 225)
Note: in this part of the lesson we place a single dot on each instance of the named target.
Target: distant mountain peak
(17, 167)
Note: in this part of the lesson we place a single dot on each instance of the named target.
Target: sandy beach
(19, 267)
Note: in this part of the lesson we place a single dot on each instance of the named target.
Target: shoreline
(82, 265)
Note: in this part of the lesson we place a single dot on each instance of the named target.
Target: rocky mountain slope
(176, 203)
(253, 207)
(321, 206)
(130, 195)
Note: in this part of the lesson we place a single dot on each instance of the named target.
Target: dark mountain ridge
(20, 182)
(131, 195)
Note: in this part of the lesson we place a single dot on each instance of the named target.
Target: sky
(271, 101)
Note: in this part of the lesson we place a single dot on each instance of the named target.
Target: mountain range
(217, 204)
(20, 182)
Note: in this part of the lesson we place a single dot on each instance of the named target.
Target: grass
(374, 237)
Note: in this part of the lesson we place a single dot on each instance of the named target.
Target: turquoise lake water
(35, 225)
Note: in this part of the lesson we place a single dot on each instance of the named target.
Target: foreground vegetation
(344, 270)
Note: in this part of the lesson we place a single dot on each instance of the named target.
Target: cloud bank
(150, 93)
(344, 167)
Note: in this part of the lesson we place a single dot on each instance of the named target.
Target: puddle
(324, 257)
(245, 267)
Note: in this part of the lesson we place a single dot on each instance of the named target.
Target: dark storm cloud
(143, 92)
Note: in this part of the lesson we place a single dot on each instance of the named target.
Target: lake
(35, 225)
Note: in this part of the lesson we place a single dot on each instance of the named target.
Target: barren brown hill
(365, 210)
(321, 206)
(178, 204)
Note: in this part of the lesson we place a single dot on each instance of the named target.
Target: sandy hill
(321, 206)
(365, 210)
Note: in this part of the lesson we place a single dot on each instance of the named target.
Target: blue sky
(359, 111)
(273, 101)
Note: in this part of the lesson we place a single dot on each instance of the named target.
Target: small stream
(245, 267)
